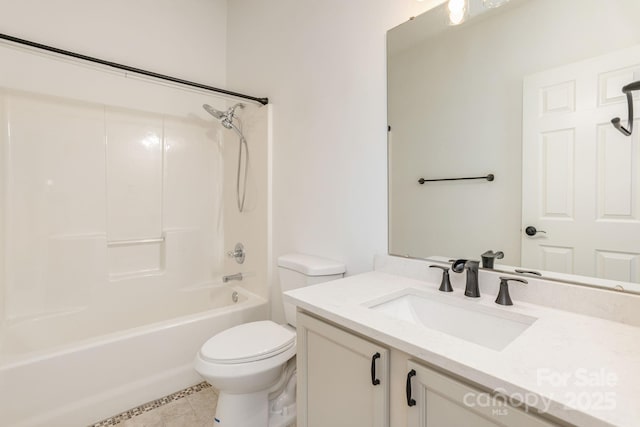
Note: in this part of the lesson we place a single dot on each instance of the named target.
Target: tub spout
(237, 276)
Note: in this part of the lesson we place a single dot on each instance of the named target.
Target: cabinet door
(441, 401)
(335, 370)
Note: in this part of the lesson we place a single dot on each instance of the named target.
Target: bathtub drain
(234, 296)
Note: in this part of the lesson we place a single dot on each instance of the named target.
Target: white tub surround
(583, 345)
(114, 185)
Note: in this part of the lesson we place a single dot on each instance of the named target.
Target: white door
(580, 178)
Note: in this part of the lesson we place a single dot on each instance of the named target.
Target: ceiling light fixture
(457, 11)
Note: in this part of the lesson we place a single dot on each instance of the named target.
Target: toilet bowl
(245, 363)
(253, 365)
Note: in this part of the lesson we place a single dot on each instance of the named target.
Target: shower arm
(616, 121)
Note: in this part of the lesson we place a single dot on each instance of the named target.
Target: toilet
(253, 365)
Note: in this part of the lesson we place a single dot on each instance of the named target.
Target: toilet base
(242, 410)
(286, 418)
(282, 405)
(275, 407)
(250, 410)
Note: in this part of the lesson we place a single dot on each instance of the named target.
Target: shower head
(215, 113)
(226, 117)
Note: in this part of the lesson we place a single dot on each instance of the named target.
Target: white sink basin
(491, 328)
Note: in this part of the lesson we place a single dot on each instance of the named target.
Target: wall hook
(616, 121)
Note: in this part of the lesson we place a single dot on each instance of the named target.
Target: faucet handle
(489, 257)
(445, 284)
(503, 295)
(238, 253)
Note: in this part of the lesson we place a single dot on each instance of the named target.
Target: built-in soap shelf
(131, 242)
(136, 257)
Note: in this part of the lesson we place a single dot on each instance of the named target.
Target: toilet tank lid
(311, 265)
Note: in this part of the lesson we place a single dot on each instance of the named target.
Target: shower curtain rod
(263, 101)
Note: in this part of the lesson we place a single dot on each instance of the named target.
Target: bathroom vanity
(386, 348)
(330, 355)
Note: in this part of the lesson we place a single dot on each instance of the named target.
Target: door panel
(580, 175)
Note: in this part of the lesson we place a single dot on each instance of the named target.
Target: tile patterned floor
(192, 407)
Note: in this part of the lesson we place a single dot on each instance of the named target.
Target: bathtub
(77, 367)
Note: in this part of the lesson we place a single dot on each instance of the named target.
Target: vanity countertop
(580, 369)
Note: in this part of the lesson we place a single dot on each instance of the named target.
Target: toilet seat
(249, 342)
(247, 357)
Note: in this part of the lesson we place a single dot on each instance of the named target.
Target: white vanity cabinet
(440, 401)
(335, 387)
(336, 375)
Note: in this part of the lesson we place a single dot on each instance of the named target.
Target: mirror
(525, 92)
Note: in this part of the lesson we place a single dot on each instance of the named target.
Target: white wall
(322, 64)
(184, 38)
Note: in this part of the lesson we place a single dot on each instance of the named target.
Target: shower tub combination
(117, 206)
(72, 369)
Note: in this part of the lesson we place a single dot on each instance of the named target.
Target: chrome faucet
(237, 253)
(471, 289)
(237, 276)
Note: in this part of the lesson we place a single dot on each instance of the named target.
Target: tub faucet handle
(238, 253)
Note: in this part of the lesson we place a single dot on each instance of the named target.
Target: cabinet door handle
(374, 380)
(410, 401)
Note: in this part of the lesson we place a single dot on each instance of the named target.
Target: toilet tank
(298, 270)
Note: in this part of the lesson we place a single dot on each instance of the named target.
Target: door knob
(532, 231)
